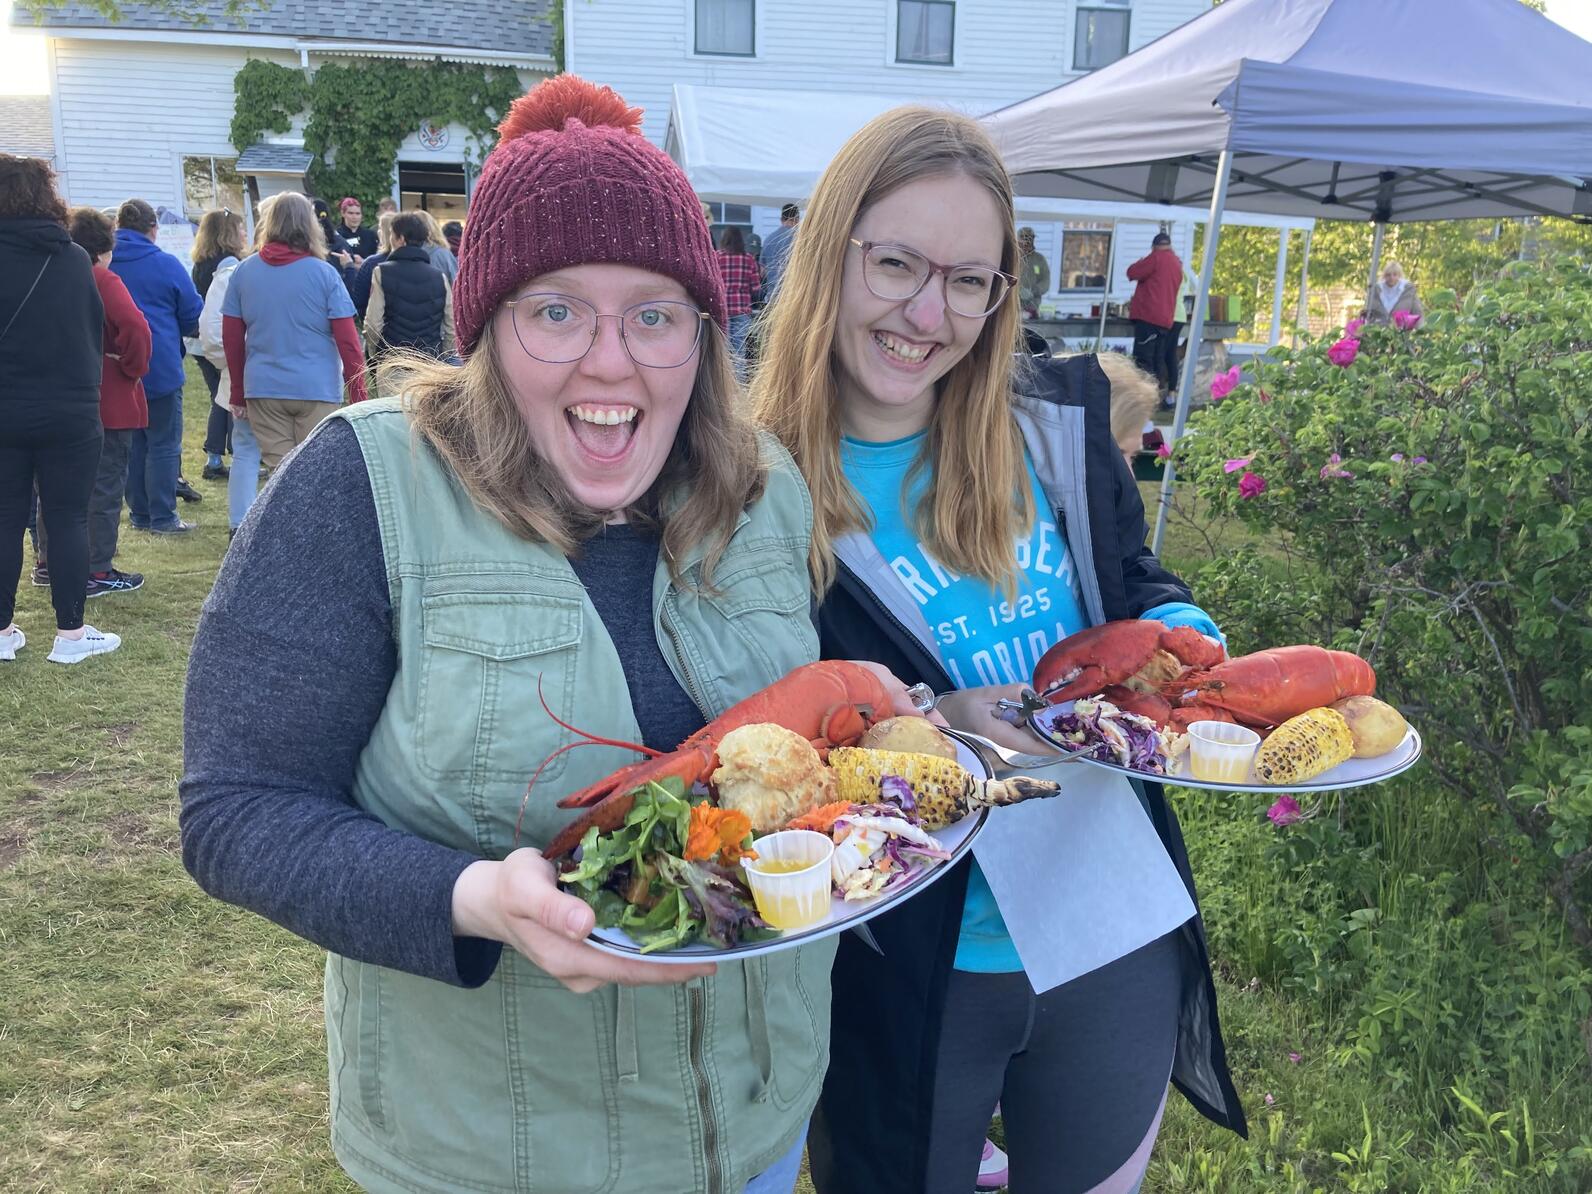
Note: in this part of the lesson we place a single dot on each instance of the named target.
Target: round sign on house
(433, 135)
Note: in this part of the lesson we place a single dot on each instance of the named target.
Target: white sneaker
(93, 642)
(11, 642)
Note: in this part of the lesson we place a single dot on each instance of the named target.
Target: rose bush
(1429, 496)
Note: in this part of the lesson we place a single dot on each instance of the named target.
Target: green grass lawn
(152, 1038)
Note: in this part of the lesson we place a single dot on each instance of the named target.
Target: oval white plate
(843, 914)
(1354, 773)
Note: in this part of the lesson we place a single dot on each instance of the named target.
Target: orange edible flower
(718, 831)
(822, 819)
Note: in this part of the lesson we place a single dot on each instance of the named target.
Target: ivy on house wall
(358, 113)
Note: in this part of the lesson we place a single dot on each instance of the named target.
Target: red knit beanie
(573, 181)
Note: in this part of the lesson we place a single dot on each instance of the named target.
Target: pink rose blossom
(1352, 329)
(1238, 462)
(1163, 451)
(1331, 469)
(1285, 811)
(1224, 384)
(1344, 351)
(1295, 1058)
(1405, 320)
(1251, 485)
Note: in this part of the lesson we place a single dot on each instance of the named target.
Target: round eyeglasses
(897, 273)
(559, 329)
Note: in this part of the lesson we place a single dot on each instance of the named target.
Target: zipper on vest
(696, 1031)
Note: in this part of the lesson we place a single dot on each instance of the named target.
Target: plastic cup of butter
(1221, 752)
(790, 877)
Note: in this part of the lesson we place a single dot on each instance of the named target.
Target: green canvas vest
(521, 1085)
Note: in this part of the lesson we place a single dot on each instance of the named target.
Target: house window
(209, 183)
(1100, 35)
(1085, 254)
(925, 32)
(726, 27)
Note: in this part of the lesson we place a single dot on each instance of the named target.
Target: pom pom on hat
(552, 104)
(571, 182)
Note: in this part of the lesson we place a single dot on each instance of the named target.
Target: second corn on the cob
(945, 790)
(1303, 747)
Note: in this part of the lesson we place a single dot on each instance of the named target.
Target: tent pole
(1376, 254)
(1196, 335)
(1304, 291)
(1105, 291)
(1277, 285)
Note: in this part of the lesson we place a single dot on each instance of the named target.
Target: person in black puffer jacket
(51, 327)
(411, 302)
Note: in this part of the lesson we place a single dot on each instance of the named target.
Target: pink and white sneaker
(992, 1169)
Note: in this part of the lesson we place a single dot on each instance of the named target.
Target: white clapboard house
(142, 105)
(975, 55)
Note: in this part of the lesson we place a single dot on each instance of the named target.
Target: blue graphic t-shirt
(982, 638)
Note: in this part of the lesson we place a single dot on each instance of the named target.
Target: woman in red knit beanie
(579, 515)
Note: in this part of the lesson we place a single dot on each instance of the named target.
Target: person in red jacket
(123, 408)
(1153, 309)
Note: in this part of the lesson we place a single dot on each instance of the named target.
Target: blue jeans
(244, 480)
(740, 326)
(780, 1177)
(152, 465)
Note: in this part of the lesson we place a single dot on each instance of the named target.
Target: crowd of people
(99, 319)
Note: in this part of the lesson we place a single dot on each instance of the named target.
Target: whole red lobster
(831, 703)
(1177, 676)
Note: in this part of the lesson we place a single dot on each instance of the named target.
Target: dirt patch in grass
(134, 833)
(12, 842)
(58, 781)
(121, 733)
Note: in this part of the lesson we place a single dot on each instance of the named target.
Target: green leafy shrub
(1425, 505)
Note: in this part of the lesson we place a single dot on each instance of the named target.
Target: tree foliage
(1433, 502)
(357, 114)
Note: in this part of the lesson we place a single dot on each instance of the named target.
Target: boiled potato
(1375, 725)
(914, 735)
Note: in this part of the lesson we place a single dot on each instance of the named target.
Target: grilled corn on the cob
(1303, 747)
(945, 790)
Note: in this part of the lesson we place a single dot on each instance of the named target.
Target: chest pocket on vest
(764, 606)
(484, 655)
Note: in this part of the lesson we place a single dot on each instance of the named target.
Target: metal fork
(1008, 757)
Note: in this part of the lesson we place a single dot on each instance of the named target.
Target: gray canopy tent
(1338, 109)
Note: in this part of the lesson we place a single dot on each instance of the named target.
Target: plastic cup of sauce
(1221, 752)
(790, 877)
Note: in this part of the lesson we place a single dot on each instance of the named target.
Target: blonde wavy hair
(384, 231)
(288, 219)
(977, 501)
(469, 417)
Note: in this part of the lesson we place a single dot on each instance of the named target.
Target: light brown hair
(384, 231)
(288, 219)
(220, 236)
(27, 190)
(977, 501)
(469, 417)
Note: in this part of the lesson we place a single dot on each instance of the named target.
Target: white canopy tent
(768, 147)
(1338, 109)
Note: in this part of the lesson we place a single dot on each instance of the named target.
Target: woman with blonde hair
(437, 247)
(965, 520)
(288, 331)
(219, 240)
(578, 513)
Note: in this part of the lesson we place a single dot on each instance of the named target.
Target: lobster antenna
(594, 739)
(536, 775)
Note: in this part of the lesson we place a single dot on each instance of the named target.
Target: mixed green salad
(638, 878)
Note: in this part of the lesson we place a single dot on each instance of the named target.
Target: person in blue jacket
(164, 292)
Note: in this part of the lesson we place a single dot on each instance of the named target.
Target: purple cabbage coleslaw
(1111, 735)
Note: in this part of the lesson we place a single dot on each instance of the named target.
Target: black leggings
(218, 428)
(1080, 1073)
(62, 452)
